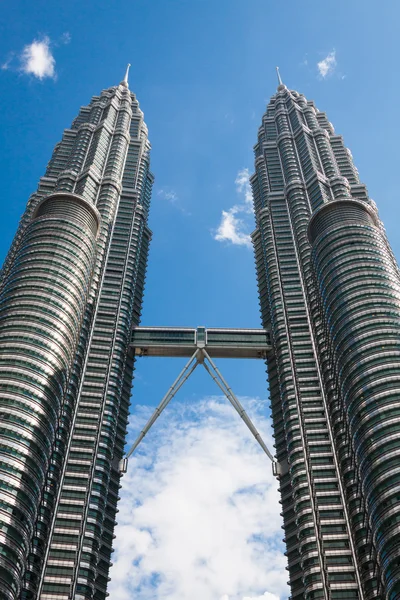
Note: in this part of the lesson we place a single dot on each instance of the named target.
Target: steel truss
(200, 357)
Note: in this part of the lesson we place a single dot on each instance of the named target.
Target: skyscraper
(329, 290)
(71, 289)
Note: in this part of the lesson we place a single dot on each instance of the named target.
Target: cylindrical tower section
(42, 301)
(360, 290)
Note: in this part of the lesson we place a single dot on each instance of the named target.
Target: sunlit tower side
(71, 290)
(89, 482)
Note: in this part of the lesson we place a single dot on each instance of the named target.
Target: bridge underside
(183, 342)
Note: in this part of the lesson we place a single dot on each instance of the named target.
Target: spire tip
(124, 82)
(279, 76)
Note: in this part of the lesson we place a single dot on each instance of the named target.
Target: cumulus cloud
(38, 60)
(199, 512)
(328, 65)
(233, 228)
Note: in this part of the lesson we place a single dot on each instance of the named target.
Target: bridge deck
(219, 343)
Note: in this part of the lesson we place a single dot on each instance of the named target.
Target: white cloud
(38, 60)
(243, 187)
(199, 512)
(328, 65)
(266, 596)
(232, 228)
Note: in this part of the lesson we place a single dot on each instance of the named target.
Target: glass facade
(71, 290)
(329, 292)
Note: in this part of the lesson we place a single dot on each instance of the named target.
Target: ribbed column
(339, 185)
(360, 288)
(41, 307)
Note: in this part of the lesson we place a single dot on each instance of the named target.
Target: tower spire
(279, 76)
(124, 82)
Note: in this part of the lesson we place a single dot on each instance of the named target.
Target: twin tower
(71, 292)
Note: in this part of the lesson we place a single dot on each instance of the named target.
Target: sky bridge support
(201, 345)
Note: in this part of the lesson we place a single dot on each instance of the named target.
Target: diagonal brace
(178, 383)
(199, 357)
(215, 373)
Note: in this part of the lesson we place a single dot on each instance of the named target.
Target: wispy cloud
(7, 63)
(328, 65)
(242, 182)
(236, 221)
(169, 195)
(172, 197)
(65, 38)
(304, 62)
(229, 117)
(199, 512)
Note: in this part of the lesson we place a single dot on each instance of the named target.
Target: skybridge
(201, 345)
(219, 343)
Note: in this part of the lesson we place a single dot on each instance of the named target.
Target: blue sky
(203, 71)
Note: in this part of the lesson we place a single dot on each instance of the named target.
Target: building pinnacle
(279, 76)
(124, 82)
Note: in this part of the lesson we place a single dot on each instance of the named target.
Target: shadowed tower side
(329, 291)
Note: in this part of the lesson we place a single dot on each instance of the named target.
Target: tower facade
(71, 290)
(329, 290)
